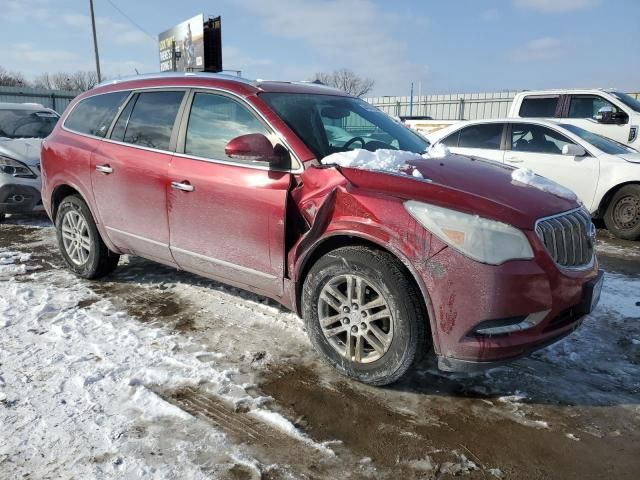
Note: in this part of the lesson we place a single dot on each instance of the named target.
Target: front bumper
(467, 296)
(19, 198)
(555, 329)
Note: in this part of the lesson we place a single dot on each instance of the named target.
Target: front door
(582, 112)
(539, 148)
(129, 174)
(226, 217)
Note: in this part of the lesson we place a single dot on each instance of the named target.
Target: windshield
(21, 123)
(329, 123)
(602, 143)
(628, 100)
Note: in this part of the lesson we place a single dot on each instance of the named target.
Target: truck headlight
(486, 241)
(15, 168)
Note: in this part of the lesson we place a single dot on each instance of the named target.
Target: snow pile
(13, 263)
(437, 151)
(526, 176)
(385, 160)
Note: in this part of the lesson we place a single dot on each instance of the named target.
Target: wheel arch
(334, 241)
(60, 193)
(606, 198)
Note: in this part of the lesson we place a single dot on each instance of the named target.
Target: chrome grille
(568, 237)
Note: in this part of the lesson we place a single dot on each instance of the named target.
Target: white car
(604, 174)
(22, 128)
(606, 112)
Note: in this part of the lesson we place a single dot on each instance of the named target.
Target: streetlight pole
(95, 40)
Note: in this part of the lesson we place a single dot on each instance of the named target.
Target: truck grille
(568, 237)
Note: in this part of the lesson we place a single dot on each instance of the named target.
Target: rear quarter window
(539, 106)
(94, 115)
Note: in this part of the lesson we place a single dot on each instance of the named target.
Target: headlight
(486, 241)
(13, 167)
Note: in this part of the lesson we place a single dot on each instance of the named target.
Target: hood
(25, 150)
(467, 184)
(631, 157)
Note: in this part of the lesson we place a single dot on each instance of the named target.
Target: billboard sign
(182, 47)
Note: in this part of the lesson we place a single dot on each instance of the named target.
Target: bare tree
(78, 81)
(346, 80)
(12, 79)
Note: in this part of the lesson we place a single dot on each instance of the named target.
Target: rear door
(582, 110)
(479, 140)
(226, 216)
(129, 173)
(539, 148)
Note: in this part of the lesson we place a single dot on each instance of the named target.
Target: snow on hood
(525, 176)
(26, 150)
(395, 161)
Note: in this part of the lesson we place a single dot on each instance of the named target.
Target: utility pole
(95, 40)
(411, 101)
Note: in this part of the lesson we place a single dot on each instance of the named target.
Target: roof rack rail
(150, 76)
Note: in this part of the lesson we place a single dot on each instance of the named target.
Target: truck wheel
(79, 241)
(363, 315)
(622, 217)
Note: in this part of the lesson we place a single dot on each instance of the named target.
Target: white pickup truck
(608, 113)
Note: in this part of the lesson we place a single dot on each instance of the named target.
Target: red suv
(223, 177)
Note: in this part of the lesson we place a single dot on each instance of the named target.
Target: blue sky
(442, 46)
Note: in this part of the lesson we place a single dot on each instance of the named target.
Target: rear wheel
(364, 315)
(80, 243)
(622, 216)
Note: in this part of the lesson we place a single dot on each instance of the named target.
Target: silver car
(22, 128)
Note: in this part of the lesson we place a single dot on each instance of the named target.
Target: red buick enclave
(224, 177)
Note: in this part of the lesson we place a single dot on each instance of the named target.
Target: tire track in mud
(293, 456)
(451, 434)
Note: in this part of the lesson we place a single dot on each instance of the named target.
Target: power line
(132, 22)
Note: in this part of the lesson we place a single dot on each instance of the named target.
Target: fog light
(510, 325)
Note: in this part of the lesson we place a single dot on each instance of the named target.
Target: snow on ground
(76, 378)
(82, 375)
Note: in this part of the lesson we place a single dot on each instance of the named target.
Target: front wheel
(622, 216)
(364, 315)
(79, 240)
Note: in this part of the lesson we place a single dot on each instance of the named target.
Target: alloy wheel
(355, 318)
(75, 237)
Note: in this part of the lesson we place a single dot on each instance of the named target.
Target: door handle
(184, 186)
(104, 169)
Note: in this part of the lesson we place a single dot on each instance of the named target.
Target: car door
(582, 111)
(129, 174)
(539, 148)
(226, 216)
(478, 140)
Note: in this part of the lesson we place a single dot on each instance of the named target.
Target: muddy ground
(534, 419)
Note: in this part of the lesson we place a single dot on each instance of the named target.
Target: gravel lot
(153, 373)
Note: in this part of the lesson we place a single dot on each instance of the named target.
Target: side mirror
(610, 115)
(573, 150)
(605, 115)
(254, 147)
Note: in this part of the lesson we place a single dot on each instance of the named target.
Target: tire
(391, 337)
(622, 216)
(91, 258)
(2, 217)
